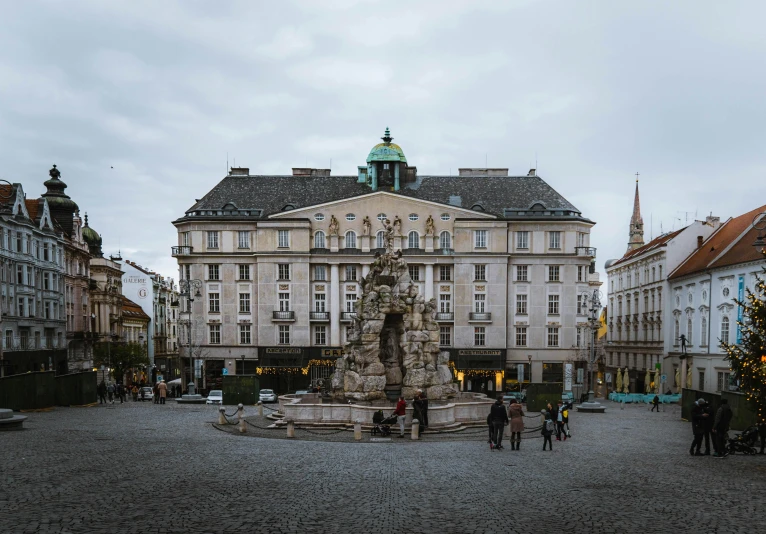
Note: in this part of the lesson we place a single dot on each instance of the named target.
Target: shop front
(289, 369)
(517, 376)
(479, 370)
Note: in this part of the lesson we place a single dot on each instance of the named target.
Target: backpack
(549, 426)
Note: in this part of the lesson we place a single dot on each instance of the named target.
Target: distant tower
(636, 224)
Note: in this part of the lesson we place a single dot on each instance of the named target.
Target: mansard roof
(503, 196)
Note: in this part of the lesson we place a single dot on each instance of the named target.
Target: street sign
(664, 378)
(225, 371)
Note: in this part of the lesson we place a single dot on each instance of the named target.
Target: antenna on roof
(485, 160)
(651, 226)
(536, 166)
(330, 163)
(227, 163)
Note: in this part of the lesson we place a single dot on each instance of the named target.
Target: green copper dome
(386, 151)
(91, 237)
(57, 199)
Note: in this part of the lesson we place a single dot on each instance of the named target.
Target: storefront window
(553, 372)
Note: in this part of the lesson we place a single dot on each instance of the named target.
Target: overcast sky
(593, 91)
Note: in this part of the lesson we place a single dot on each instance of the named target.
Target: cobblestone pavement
(137, 468)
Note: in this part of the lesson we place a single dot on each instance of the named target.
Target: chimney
(699, 241)
(532, 172)
(239, 171)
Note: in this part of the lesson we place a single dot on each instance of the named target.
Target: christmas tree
(748, 358)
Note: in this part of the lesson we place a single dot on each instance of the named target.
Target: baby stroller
(382, 423)
(744, 442)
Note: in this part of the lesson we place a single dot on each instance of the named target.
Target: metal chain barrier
(258, 426)
(323, 432)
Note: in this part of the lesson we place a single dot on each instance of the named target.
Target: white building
(701, 305)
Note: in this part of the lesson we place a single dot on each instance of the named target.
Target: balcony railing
(319, 316)
(184, 250)
(589, 252)
(347, 316)
(283, 315)
(484, 317)
(445, 316)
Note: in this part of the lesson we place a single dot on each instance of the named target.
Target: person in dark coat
(516, 415)
(698, 426)
(656, 403)
(499, 418)
(420, 411)
(708, 428)
(762, 433)
(547, 429)
(102, 393)
(721, 427)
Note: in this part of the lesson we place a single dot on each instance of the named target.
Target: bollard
(260, 408)
(415, 429)
(290, 428)
(241, 415)
(222, 416)
(358, 430)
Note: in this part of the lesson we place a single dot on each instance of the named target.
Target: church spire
(636, 224)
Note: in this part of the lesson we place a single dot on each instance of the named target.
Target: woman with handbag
(516, 415)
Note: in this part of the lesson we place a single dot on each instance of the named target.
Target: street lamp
(593, 303)
(191, 290)
(759, 223)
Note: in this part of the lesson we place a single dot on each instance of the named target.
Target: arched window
(676, 331)
(380, 240)
(350, 239)
(703, 334)
(445, 240)
(413, 241)
(725, 330)
(319, 240)
(689, 331)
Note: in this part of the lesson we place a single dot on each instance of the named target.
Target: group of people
(555, 420)
(705, 423)
(420, 412)
(108, 393)
(499, 417)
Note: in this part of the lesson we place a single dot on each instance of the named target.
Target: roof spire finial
(86, 218)
(636, 231)
(387, 136)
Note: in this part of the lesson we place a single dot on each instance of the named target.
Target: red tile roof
(132, 310)
(654, 243)
(32, 206)
(142, 269)
(728, 234)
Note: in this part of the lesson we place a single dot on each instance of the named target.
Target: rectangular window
(284, 239)
(284, 334)
(579, 337)
(701, 385)
(244, 272)
(445, 273)
(214, 302)
(185, 239)
(479, 300)
(414, 271)
(580, 239)
(521, 304)
(215, 334)
(320, 273)
(479, 336)
(582, 305)
(480, 239)
(320, 335)
(8, 339)
(445, 336)
(320, 302)
(243, 239)
(521, 336)
(580, 273)
(553, 304)
(283, 271)
(553, 273)
(723, 381)
(522, 240)
(554, 240)
(212, 239)
(445, 303)
(244, 303)
(187, 272)
(350, 300)
(480, 272)
(284, 302)
(553, 336)
(213, 272)
(244, 334)
(522, 273)
(350, 273)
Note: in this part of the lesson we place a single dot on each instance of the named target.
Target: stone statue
(626, 382)
(689, 378)
(366, 225)
(430, 227)
(334, 226)
(54, 173)
(388, 236)
(397, 226)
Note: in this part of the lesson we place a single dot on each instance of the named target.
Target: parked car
(146, 393)
(268, 395)
(215, 397)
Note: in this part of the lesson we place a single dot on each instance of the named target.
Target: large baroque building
(637, 295)
(281, 258)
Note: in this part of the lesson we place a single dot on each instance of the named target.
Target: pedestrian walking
(656, 403)
(134, 391)
(401, 413)
(120, 392)
(420, 411)
(101, 393)
(721, 427)
(560, 422)
(547, 430)
(156, 391)
(565, 417)
(110, 392)
(516, 415)
(499, 418)
(162, 387)
(698, 426)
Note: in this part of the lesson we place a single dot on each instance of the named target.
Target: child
(547, 430)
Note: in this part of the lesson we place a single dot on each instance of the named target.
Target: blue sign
(741, 297)
(225, 371)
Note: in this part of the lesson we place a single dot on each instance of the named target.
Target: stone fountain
(393, 348)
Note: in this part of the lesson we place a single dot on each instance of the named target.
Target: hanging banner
(520, 372)
(741, 297)
(567, 377)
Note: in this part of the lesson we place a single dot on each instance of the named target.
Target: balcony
(480, 317)
(319, 316)
(184, 250)
(587, 252)
(347, 317)
(445, 316)
(283, 315)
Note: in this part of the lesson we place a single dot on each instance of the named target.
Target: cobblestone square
(152, 468)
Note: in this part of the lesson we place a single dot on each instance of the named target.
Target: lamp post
(759, 223)
(190, 289)
(593, 302)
